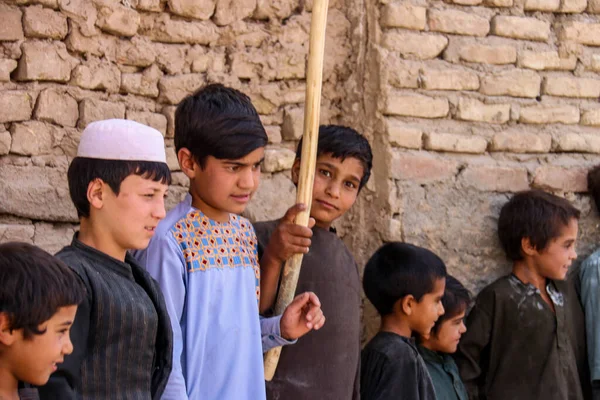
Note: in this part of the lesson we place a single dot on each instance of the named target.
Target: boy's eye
(351, 185)
(324, 172)
(256, 166)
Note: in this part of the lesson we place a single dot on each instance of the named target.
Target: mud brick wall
(464, 101)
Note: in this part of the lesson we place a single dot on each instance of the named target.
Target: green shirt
(444, 374)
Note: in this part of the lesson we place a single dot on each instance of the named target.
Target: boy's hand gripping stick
(312, 111)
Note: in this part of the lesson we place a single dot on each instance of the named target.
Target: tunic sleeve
(271, 333)
(590, 298)
(66, 381)
(473, 345)
(164, 261)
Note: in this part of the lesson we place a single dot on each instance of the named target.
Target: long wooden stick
(312, 113)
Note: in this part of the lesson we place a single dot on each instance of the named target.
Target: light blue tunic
(209, 274)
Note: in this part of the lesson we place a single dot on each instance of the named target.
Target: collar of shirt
(119, 267)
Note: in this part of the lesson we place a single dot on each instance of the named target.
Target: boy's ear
(296, 171)
(186, 162)
(95, 193)
(407, 304)
(527, 248)
(7, 335)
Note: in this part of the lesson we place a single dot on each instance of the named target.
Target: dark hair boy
(204, 255)
(38, 301)
(327, 360)
(517, 345)
(406, 284)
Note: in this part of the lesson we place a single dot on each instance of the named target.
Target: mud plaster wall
(464, 103)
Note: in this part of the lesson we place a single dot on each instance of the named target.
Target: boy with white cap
(121, 335)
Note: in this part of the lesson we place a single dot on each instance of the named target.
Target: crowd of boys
(145, 304)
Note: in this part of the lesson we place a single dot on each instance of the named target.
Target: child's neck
(93, 235)
(526, 272)
(9, 387)
(391, 323)
(211, 212)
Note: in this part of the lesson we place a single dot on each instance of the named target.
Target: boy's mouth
(242, 198)
(327, 205)
(150, 229)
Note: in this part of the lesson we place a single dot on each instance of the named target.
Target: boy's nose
(333, 190)
(68, 346)
(441, 310)
(159, 210)
(463, 328)
(247, 180)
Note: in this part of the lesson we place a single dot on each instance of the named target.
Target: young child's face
(448, 335)
(335, 189)
(429, 309)
(553, 262)
(226, 186)
(132, 216)
(33, 360)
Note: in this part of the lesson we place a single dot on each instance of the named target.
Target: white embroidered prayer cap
(122, 139)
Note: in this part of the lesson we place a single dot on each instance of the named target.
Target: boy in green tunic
(436, 349)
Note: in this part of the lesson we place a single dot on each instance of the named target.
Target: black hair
(593, 179)
(220, 122)
(536, 215)
(397, 270)
(34, 285)
(84, 170)
(456, 300)
(343, 142)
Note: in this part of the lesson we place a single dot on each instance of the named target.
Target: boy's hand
(301, 316)
(289, 238)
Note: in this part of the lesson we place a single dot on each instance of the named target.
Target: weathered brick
(593, 6)
(561, 114)
(418, 45)
(268, 9)
(146, 5)
(572, 6)
(458, 22)
(516, 83)
(580, 32)
(578, 142)
(521, 28)
(144, 84)
(171, 57)
(401, 73)
(546, 60)
(274, 133)
(209, 63)
(156, 121)
(488, 54)
(594, 63)
(492, 178)
(162, 28)
(172, 160)
(564, 179)
(475, 110)
(421, 167)
(91, 110)
(15, 105)
(83, 12)
(467, 2)
(118, 20)
(138, 51)
(404, 135)
(27, 192)
(169, 112)
(10, 28)
(5, 141)
(278, 160)
(43, 61)
(57, 108)
(591, 117)
(571, 87)
(198, 9)
(542, 5)
(40, 22)
(230, 11)
(499, 3)
(415, 105)
(408, 16)
(455, 143)
(518, 141)
(96, 74)
(53, 237)
(33, 138)
(293, 123)
(98, 45)
(449, 79)
(6, 67)
(16, 232)
(174, 88)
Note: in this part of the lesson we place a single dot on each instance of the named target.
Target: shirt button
(271, 337)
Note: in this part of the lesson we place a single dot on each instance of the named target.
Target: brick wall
(464, 101)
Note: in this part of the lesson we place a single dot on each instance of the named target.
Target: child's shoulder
(391, 346)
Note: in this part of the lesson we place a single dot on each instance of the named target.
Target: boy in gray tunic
(324, 364)
(122, 333)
